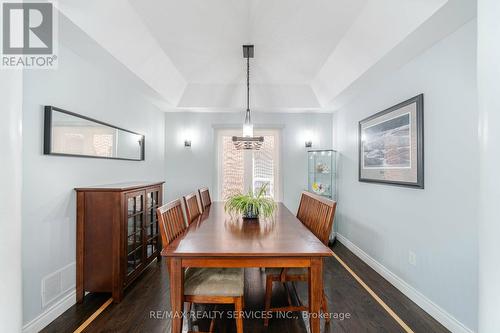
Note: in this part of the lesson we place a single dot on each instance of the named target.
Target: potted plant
(251, 206)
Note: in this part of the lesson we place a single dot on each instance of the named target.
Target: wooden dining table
(217, 239)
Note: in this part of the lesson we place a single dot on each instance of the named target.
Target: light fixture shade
(247, 126)
(247, 130)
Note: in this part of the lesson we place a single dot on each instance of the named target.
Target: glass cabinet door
(135, 228)
(153, 200)
(321, 173)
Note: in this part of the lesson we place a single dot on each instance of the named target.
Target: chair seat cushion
(289, 271)
(214, 282)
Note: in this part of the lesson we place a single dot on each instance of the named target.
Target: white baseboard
(51, 313)
(446, 319)
(438, 313)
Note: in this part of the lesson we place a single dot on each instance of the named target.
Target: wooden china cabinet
(117, 235)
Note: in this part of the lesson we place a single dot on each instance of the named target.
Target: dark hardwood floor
(354, 310)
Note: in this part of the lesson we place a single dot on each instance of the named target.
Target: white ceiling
(309, 54)
(292, 38)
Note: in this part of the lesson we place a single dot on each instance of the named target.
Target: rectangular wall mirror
(71, 134)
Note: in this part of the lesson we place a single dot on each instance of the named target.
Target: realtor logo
(28, 31)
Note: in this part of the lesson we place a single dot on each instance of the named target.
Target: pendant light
(248, 141)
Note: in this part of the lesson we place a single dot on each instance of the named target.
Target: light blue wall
(11, 85)
(82, 86)
(489, 115)
(438, 223)
(188, 169)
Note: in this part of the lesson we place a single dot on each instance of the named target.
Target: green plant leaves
(258, 205)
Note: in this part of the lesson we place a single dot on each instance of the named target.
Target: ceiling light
(248, 141)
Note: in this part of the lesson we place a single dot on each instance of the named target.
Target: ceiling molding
(292, 38)
(117, 27)
(81, 44)
(262, 96)
(444, 22)
(380, 26)
(189, 53)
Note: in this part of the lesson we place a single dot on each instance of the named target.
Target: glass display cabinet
(322, 169)
(117, 235)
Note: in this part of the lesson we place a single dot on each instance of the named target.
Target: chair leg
(238, 306)
(296, 294)
(212, 326)
(212, 322)
(324, 307)
(269, 293)
(189, 320)
(288, 295)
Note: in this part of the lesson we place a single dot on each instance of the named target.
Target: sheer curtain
(240, 171)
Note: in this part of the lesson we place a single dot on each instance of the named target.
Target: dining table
(220, 239)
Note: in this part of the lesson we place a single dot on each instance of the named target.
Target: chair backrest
(171, 221)
(192, 207)
(317, 214)
(204, 197)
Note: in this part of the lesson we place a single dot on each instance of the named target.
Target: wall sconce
(187, 143)
(309, 144)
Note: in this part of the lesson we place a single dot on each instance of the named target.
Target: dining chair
(204, 197)
(203, 285)
(192, 208)
(316, 213)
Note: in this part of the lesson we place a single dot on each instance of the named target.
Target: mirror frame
(47, 137)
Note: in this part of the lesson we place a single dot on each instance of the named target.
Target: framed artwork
(391, 145)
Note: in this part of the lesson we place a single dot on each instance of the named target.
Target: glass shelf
(322, 175)
(322, 172)
(142, 229)
(134, 260)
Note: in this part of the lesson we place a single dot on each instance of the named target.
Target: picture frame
(391, 145)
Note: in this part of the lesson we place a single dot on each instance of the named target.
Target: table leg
(176, 294)
(315, 293)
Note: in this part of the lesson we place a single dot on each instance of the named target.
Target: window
(240, 170)
(232, 168)
(263, 166)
